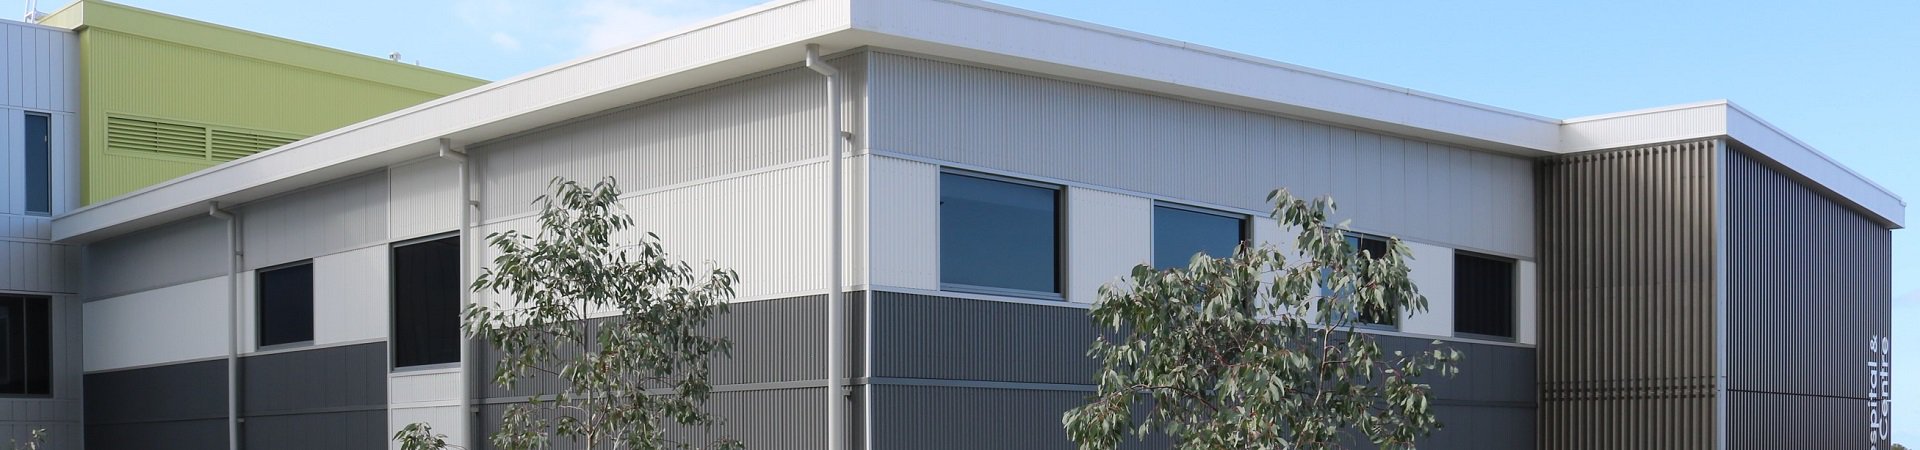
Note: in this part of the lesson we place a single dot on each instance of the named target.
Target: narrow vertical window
(1483, 295)
(1181, 232)
(39, 164)
(286, 304)
(999, 236)
(24, 340)
(426, 303)
(1372, 247)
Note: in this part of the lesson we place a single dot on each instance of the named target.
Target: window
(426, 302)
(1373, 247)
(1483, 295)
(1179, 232)
(24, 338)
(39, 159)
(999, 236)
(286, 304)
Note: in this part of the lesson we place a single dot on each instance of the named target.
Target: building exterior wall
(1807, 284)
(146, 65)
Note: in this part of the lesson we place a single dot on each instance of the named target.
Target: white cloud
(612, 23)
(505, 41)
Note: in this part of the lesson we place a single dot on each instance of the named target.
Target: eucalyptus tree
(603, 312)
(1258, 350)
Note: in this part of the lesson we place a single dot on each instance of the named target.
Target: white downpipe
(233, 322)
(836, 300)
(468, 363)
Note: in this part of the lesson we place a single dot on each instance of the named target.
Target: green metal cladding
(164, 96)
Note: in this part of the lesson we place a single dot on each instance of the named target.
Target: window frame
(1513, 297)
(47, 302)
(1359, 322)
(25, 152)
(393, 304)
(260, 310)
(1245, 227)
(1059, 237)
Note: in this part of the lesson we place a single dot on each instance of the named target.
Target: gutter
(233, 322)
(837, 395)
(469, 387)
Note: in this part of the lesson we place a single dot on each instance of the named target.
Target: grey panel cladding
(326, 379)
(1200, 152)
(740, 125)
(919, 336)
(1763, 420)
(1490, 375)
(189, 250)
(185, 403)
(321, 431)
(773, 341)
(343, 215)
(935, 417)
(759, 419)
(1627, 297)
(1809, 283)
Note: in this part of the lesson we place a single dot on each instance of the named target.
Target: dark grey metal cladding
(1627, 350)
(1808, 288)
(323, 431)
(185, 403)
(941, 417)
(773, 341)
(919, 336)
(760, 419)
(319, 380)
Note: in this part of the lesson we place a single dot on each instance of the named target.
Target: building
(1616, 281)
(100, 99)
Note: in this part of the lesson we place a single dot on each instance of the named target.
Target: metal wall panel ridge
(1809, 286)
(185, 403)
(1199, 152)
(1627, 348)
(188, 250)
(325, 398)
(343, 215)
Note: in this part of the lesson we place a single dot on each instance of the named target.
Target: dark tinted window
(1375, 248)
(24, 337)
(39, 159)
(426, 303)
(1483, 295)
(998, 235)
(286, 305)
(1179, 233)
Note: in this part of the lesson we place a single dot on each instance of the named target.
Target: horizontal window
(998, 235)
(1180, 232)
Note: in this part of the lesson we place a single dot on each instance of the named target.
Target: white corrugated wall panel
(38, 266)
(443, 419)
(1107, 234)
(1431, 270)
(123, 331)
(1528, 332)
(350, 292)
(425, 198)
(1197, 152)
(328, 219)
(768, 226)
(188, 250)
(905, 224)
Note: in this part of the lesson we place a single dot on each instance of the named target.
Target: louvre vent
(157, 137)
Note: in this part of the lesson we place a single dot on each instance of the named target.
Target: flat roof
(775, 34)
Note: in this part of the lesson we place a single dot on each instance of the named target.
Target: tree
(620, 327)
(35, 439)
(1257, 350)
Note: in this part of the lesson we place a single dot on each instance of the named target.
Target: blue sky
(1839, 77)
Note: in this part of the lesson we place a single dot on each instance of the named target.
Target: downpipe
(836, 299)
(233, 322)
(469, 363)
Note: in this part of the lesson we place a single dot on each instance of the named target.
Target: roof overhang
(774, 35)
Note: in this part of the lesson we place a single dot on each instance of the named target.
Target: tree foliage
(1257, 350)
(618, 327)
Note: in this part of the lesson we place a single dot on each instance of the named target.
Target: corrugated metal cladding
(39, 266)
(762, 419)
(919, 336)
(39, 67)
(938, 417)
(188, 250)
(1188, 150)
(1627, 298)
(1809, 286)
(326, 398)
(343, 215)
(741, 125)
(181, 406)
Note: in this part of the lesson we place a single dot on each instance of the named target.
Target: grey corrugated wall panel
(1809, 285)
(935, 417)
(1627, 298)
(736, 126)
(335, 217)
(322, 431)
(39, 67)
(188, 250)
(1188, 150)
(919, 336)
(333, 378)
(187, 403)
(760, 419)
